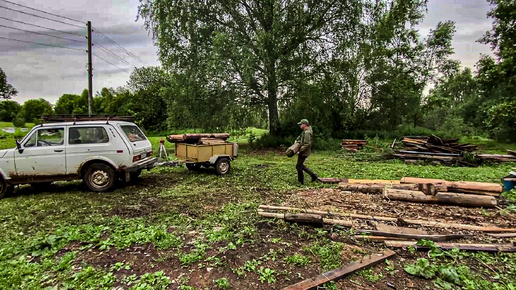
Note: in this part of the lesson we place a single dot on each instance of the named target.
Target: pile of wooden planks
(433, 148)
(510, 157)
(425, 190)
(353, 145)
(395, 236)
(204, 138)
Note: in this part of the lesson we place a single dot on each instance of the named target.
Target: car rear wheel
(99, 177)
(222, 166)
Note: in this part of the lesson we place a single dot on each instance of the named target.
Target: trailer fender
(214, 158)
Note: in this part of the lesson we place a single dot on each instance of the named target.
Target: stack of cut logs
(424, 190)
(510, 157)
(353, 145)
(205, 138)
(446, 151)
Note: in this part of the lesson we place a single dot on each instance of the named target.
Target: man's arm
(306, 141)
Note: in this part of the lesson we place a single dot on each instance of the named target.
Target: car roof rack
(75, 118)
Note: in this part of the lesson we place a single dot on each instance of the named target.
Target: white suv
(99, 152)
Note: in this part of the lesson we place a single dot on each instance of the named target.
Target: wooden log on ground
(400, 230)
(502, 236)
(332, 180)
(442, 198)
(461, 246)
(435, 238)
(511, 152)
(372, 181)
(304, 218)
(469, 185)
(377, 238)
(426, 223)
(477, 192)
(367, 261)
(374, 188)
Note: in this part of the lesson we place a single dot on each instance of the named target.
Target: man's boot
(312, 174)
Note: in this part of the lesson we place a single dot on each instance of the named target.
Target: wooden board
(460, 246)
(399, 230)
(367, 261)
(435, 238)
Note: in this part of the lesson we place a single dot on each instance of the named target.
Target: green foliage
(7, 91)
(370, 275)
(33, 109)
(298, 260)
(222, 283)
(328, 253)
(8, 110)
(266, 275)
(157, 280)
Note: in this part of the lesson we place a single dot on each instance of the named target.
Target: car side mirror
(19, 146)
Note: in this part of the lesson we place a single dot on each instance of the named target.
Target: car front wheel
(5, 189)
(99, 177)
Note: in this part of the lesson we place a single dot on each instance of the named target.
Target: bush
(19, 122)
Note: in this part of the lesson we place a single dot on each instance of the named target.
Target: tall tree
(6, 90)
(254, 45)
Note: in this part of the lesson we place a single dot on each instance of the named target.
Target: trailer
(215, 154)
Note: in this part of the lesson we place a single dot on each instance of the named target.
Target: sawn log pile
(433, 148)
(353, 145)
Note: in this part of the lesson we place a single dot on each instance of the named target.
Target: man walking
(305, 141)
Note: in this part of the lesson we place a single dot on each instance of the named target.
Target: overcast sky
(47, 72)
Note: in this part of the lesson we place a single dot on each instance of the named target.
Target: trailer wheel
(193, 166)
(222, 166)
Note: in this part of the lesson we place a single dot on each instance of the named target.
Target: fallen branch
(460, 246)
(365, 262)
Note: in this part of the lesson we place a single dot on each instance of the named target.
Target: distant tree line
(344, 65)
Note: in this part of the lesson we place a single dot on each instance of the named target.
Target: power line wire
(34, 9)
(39, 16)
(119, 46)
(39, 43)
(39, 33)
(110, 63)
(111, 53)
(56, 30)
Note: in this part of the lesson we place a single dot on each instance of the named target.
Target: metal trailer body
(209, 155)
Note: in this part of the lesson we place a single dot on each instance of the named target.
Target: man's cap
(303, 121)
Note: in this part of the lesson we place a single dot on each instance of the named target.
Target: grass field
(194, 230)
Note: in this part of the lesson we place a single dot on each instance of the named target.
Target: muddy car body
(99, 152)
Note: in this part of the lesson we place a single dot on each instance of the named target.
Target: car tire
(222, 166)
(5, 189)
(193, 166)
(99, 177)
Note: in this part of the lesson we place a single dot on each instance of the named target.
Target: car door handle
(58, 150)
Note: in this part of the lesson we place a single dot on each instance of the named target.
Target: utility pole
(90, 72)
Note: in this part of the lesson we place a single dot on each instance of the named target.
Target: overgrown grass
(189, 217)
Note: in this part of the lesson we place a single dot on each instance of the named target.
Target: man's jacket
(305, 140)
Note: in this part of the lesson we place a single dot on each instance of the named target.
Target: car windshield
(133, 133)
